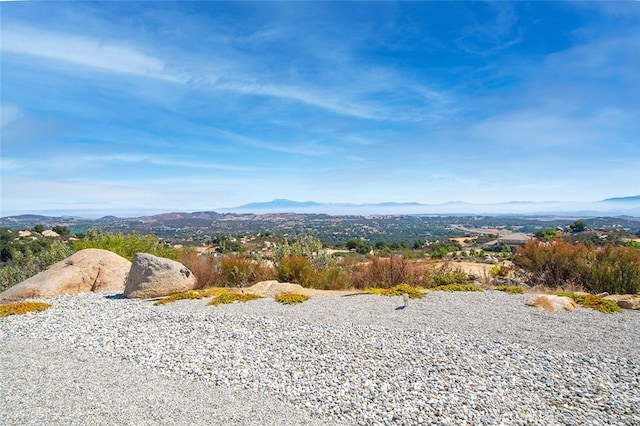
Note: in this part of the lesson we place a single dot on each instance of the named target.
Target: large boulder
(626, 301)
(151, 276)
(86, 270)
(552, 303)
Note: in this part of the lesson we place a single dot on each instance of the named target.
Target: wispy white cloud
(310, 149)
(84, 51)
(493, 35)
(306, 96)
(65, 163)
(157, 160)
(9, 114)
(354, 97)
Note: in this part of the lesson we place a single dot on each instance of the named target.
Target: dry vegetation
(399, 290)
(593, 302)
(555, 264)
(291, 298)
(20, 308)
(226, 297)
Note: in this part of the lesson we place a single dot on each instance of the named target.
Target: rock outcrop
(552, 303)
(87, 270)
(151, 276)
(626, 301)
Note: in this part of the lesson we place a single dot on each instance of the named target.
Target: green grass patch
(399, 290)
(291, 298)
(226, 298)
(20, 308)
(511, 289)
(594, 302)
(457, 287)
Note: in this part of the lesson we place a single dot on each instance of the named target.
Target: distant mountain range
(611, 207)
(629, 206)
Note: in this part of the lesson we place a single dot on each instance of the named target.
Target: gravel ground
(450, 358)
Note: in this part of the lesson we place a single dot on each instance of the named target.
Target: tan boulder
(151, 276)
(626, 301)
(552, 303)
(86, 270)
(274, 288)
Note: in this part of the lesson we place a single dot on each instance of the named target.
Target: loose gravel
(447, 359)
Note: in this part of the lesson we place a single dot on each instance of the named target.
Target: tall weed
(384, 273)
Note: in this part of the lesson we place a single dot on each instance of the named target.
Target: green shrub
(226, 298)
(398, 290)
(444, 275)
(511, 289)
(593, 302)
(457, 287)
(333, 278)
(126, 245)
(20, 308)
(26, 259)
(308, 247)
(291, 298)
(296, 269)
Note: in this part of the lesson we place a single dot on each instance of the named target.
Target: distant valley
(195, 227)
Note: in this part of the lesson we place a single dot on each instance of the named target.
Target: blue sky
(123, 106)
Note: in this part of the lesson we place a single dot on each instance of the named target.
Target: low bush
(399, 290)
(192, 294)
(333, 278)
(291, 298)
(511, 289)
(457, 287)
(298, 270)
(500, 271)
(20, 308)
(443, 276)
(240, 271)
(593, 302)
(226, 298)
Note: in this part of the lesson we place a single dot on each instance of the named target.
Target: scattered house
(513, 240)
